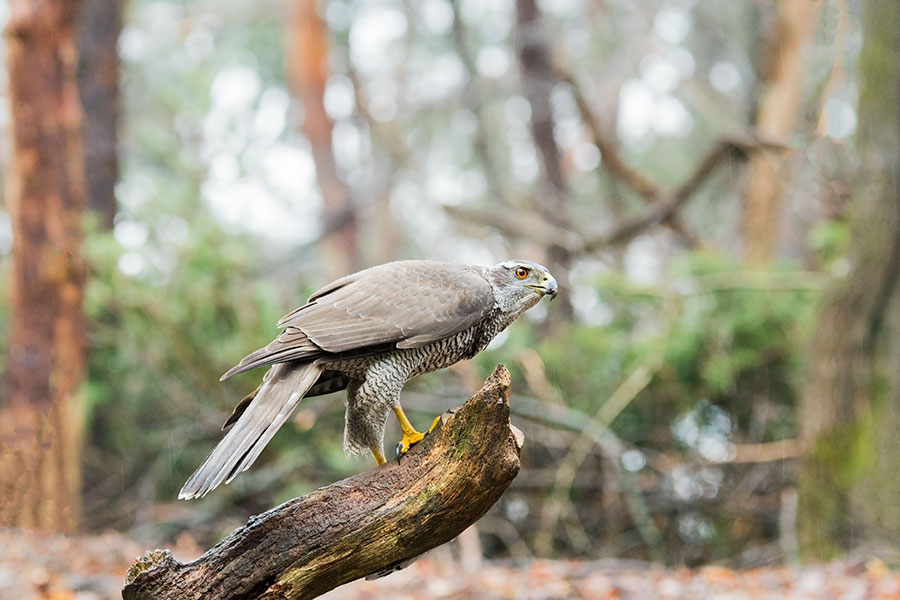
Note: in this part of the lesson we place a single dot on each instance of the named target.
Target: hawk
(369, 333)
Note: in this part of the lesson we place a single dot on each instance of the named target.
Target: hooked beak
(550, 288)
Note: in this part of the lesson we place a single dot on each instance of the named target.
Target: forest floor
(92, 568)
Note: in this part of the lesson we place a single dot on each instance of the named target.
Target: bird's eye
(521, 272)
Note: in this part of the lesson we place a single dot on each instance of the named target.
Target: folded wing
(406, 303)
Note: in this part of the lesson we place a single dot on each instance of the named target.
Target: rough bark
(40, 421)
(363, 525)
(781, 80)
(849, 481)
(99, 26)
(307, 66)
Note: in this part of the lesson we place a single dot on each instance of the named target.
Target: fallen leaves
(36, 567)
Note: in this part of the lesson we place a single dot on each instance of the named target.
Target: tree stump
(371, 523)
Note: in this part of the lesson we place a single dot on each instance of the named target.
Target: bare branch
(670, 203)
(665, 206)
(766, 452)
(518, 225)
(612, 162)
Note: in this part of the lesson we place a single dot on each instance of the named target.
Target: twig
(765, 452)
(518, 225)
(612, 161)
(663, 205)
(393, 142)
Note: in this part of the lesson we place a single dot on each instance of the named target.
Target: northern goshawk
(369, 333)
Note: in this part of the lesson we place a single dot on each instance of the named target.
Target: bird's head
(520, 284)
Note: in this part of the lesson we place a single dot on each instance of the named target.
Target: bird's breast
(430, 357)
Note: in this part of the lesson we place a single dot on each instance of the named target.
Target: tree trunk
(372, 523)
(307, 66)
(538, 80)
(850, 410)
(41, 418)
(781, 79)
(99, 26)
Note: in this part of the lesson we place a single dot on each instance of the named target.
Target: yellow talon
(408, 441)
(410, 435)
(434, 424)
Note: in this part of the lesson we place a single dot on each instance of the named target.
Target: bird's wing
(291, 344)
(410, 303)
(407, 303)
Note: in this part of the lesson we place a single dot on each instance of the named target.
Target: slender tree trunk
(99, 26)
(781, 79)
(850, 412)
(538, 80)
(40, 421)
(307, 65)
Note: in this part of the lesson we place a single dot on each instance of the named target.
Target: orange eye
(521, 272)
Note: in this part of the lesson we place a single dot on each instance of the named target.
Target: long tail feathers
(276, 399)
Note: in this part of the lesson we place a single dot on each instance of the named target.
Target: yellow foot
(411, 437)
(409, 440)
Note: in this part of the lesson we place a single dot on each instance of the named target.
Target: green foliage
(738, 336)
(829, 239)
(726, 337)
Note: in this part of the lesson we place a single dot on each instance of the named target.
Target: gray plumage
(369, 333)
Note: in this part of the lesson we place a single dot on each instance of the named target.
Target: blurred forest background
(714, 184)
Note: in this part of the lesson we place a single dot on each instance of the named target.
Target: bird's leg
(379, 456)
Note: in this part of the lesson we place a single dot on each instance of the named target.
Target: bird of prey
(369, 333)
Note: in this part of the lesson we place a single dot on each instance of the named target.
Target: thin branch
(611, 160)
(765, 452)
(390, 137)
(668, 204)
(664, 207)
(518, 225)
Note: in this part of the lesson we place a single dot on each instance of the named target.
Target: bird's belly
(434, 362)
(443, 353)
(411, 361)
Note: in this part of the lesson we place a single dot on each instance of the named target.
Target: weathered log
(367, 524)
